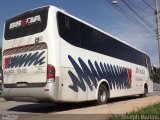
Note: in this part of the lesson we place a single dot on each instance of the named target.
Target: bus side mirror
(154, 69)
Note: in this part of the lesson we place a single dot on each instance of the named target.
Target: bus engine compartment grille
(26, 48)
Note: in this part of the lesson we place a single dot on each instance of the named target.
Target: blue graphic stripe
(116, 76)
(26, 60)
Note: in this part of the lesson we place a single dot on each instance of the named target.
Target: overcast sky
(102, 15)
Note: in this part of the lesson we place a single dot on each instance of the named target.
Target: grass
(151, 112)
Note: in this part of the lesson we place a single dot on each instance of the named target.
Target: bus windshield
(27, 23)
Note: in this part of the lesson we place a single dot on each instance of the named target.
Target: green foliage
(156, 77)
(152, 109)
(149, 112)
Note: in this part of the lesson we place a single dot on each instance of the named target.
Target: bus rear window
(27, 23)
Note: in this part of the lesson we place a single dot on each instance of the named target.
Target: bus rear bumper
(48, 93)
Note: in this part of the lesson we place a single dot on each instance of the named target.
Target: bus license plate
(22, 84)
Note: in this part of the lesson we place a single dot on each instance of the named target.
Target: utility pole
(158, 27)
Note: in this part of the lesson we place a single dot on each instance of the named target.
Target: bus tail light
(50, 71)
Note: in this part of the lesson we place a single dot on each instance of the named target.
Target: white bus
(52, 56)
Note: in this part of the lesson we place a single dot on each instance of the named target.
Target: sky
(101, 14)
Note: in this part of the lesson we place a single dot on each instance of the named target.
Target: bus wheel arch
(102, 92)
(145, 90)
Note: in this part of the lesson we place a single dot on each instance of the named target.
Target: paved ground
(156, 87)
(1, 99)
(82, 111)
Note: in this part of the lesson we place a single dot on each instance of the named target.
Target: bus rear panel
(28, 76)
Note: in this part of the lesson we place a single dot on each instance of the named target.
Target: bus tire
(103, 95)
(145, 91)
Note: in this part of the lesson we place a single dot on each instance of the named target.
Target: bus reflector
(1, 77)
(50, 71)
(46, 89)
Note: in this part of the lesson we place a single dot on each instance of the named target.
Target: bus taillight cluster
(50, 71)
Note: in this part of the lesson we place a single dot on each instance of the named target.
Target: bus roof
(82, 21)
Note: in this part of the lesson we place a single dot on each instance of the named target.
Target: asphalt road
(156, 87)
(49, 111)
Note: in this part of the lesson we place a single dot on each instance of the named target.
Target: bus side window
(67, 24)
(69, 29)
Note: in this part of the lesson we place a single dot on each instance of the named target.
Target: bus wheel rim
(102, 95)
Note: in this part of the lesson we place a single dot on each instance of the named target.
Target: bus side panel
(69, 92)
(82, 69)
(150, 85)
(77, 66)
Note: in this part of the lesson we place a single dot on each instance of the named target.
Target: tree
(156, 78)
